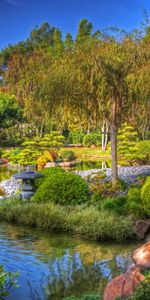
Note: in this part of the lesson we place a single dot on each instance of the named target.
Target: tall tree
(84, 31)
(58, 43)
(68, 41)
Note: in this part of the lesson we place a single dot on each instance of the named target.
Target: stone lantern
(27, 188)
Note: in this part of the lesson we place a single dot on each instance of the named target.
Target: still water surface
(54, 266)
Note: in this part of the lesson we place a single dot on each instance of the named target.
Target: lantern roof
(28, 175)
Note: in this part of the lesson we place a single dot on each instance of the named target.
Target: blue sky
(18, 17)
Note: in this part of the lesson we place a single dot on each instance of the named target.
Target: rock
(141, 256)
(10, 186)
(67, 164)
(93, 146)
(123, 285)
(3, 161)
(50, 164)
(142, 227)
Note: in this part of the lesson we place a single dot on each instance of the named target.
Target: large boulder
(141, 256)
(142, 227)
(123, 285)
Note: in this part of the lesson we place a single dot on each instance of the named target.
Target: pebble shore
(128, 174)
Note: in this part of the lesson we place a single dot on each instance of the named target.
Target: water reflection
(53, 266)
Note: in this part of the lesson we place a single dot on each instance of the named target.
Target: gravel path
(128, 174)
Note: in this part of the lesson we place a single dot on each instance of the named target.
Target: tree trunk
(106, 136)
(103, 137)
(113, 129)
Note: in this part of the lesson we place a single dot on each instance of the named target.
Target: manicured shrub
(48, 172)
(134, 202)
(68, 155)
(145, 196)
(63, 188)
(92, 139)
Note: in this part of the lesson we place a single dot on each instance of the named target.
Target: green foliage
(117, 205)
(143, 291)
(63, 188)
(32, 149)
(134, 202)
(48, 172)
(7, 280)
(127, 146)
(68, 155)
(86, 221)
(145, 196)
(144, 149)
(92, 139)
(84, 297)
(105, 189)
(75, 137)
(10, 112)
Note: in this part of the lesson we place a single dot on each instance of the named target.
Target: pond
(90, 164)
(54, 266)
(6, 173)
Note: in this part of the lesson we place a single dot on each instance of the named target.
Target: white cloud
(14, 2)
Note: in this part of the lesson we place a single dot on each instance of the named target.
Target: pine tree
(68, 42)
(84, 31)
(58, 43)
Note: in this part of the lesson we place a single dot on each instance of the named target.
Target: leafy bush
(144, 149)
(143, 291)
(117, 205)
(92, 139)
(68, 155)
(127, 143)
(145, 196)
(48, 172)
(105, 189)
(63, 188)
(134, 202)
(75, 137)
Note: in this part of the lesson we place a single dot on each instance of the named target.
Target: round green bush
(48, 172)
(145, 196)
(75, 137)
(68, 155)
(63, 188)
(92, 139)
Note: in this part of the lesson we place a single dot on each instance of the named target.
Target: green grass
(86, 221)
(87, 152)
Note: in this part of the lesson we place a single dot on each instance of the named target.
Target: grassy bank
(89, 153)
(86, 221)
